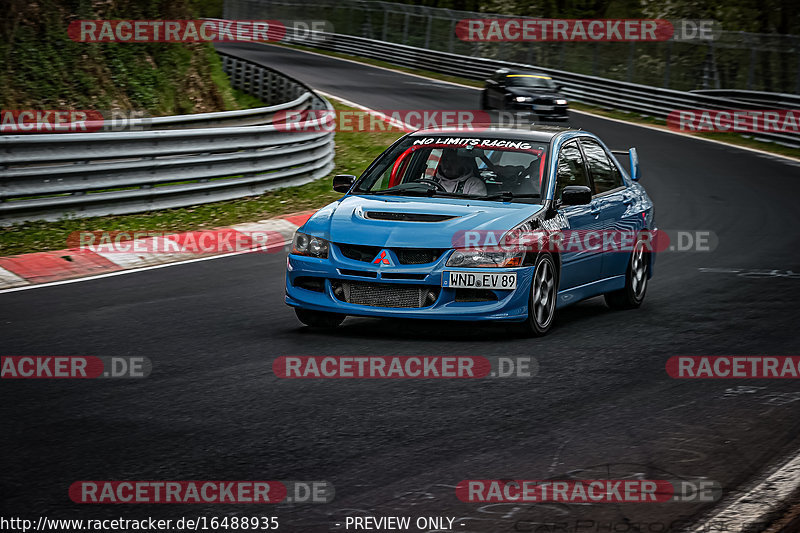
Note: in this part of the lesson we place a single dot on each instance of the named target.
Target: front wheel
(485, 100)
(318, 319)
(632, 295)
(542, 300)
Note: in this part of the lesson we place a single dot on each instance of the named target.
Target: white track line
(382, 116)
(786, 158)
(141, 269)
(757, 506)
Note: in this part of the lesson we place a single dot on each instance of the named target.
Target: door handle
(627, 199)
(594, 209)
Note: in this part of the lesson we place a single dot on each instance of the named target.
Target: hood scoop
(408, 217)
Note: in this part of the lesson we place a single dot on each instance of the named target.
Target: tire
(636, 274)
(542, 298)
(319, 319)
(485, 101)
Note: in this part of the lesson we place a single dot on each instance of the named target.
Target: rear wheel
(318, 319)
(542, 300)
(632, 295)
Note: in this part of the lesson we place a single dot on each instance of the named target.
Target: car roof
(543, 133)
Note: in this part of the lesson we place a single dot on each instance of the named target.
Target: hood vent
(408, 217)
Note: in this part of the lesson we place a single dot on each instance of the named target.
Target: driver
(455, 175)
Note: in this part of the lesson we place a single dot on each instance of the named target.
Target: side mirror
(343, 182)
(635, 172)
(576, 195)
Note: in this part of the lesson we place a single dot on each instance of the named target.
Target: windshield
(490, 169)
(534, 81)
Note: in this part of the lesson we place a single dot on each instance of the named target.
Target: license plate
(479, 280)
(542, 108)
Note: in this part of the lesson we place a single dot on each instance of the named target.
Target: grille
(362, 273)
(406, 256)
(403, 275)
(417, 256)
(408, 217)
(358, 252)
(385, 294)
(310, 284)
(475, 295)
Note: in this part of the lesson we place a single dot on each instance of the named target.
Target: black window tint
(605, 174)
(570, 169)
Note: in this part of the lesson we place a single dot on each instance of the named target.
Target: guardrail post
(631, 51)
(428, 32)
(453, 37)
(385, 23)
(260, 89)
(405, 29)
(751, 69)
(667, 62)
(797, 54)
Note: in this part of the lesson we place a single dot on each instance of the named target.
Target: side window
(605, 174)
(570, 169)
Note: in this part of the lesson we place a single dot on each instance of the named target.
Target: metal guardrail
(611, 94)
(733, 60)
(50, 176)
(760, 98)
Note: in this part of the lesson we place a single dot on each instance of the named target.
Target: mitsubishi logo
(382, 259)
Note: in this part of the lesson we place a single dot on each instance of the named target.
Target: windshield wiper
(508, 195)
(429, 191)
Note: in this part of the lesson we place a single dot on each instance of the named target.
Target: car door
(612, 199)
(579, 265)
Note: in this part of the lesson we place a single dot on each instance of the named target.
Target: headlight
(479, 258)
(309, 245)
(561, 101)
(523, 99)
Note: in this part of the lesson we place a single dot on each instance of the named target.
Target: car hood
(536, 93)
(349, 220)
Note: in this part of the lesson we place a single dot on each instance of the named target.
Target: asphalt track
(602, 405)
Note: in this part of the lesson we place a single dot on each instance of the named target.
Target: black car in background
(524, 91)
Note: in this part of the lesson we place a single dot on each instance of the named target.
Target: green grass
(354, 151)
(42, 68)
(634, 118)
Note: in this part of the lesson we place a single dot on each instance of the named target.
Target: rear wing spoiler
(633, 158)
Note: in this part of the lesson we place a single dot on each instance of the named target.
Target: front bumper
(509, 305)
(542, 112)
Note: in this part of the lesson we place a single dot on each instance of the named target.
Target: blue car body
(343, 223)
